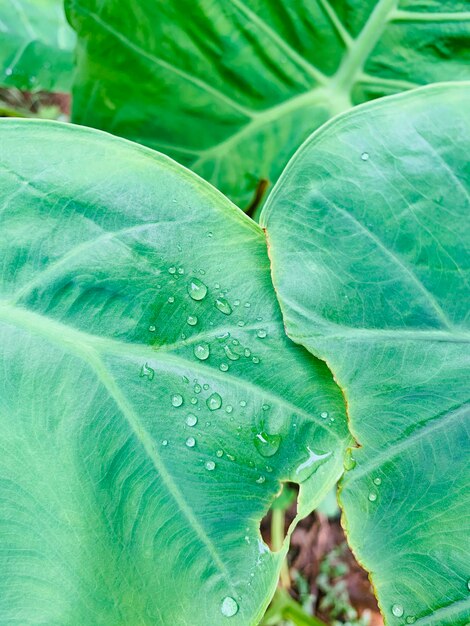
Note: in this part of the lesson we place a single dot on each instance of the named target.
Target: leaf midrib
(73, 341)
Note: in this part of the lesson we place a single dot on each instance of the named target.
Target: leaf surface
(232, 88)
(37, 45)
(151, 403)
(369, 243)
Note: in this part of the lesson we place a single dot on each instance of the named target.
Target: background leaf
(232, 88)
(371, 254)
(151, 403)
(36, 50)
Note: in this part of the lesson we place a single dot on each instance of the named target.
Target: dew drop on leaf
(229, 607)
(176, 399)
(255, 359)
(147, 372)
(219, 453)
(365, 156)
(171, 299)
(214, 402)
(172, 269)
(261, 480)
(201, 351)
(223, 367)
(349, 460)
(152, 328)
(192, 320)
(197, 388)
(411, 619)
(210, 465)
(372, 498)
(191, 419)
(261, 333)
(241, 323)
(377, 481)
(190, 442)
(164, 442)
(197, 289)
(267, 445)
(229, 408)
(397, 610)
(223, 306)
(230, 354)
(242, 403)
(324, 414)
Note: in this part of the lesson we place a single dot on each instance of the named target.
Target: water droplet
(255, 359)
(205, 386)
(164, 442)
(197, 289)
(324, 414)
(349, 460)
(229, 607)
(468, 584)
(377, 481)
(223, 336)
(241, 323)
(261, 480)
(247, 305)
(231, 354)
(219, 453)
(373, 497)
(223, 367)
(8, 71)
(267, 445)
(191, 419)
(210, 234)
(210, 465)
(223, 305)
(194, 400)
(313, 457)
(152, 328)
(242, 402)
(397, 610)
(172, 269)
(147, 372)
(214, 402)
(411, 619)
(229, 408)
(236, 303)
(171, 299)
(197, 388)
(365, 156)
(247, 352)
(180, 271)
(201, 351)
(265, 407)
(190, 442)
(176, 399)
(261, 333)
(192, 320)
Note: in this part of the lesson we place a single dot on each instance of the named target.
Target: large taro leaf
(369, 242)
(36, 45)
(232, 88)
(151, 402)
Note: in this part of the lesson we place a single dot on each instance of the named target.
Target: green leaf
(37, 45)
(151, 403)
(370, 249)
(231, 89)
